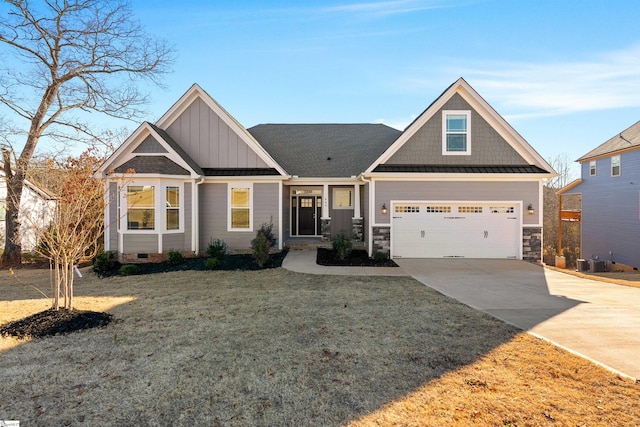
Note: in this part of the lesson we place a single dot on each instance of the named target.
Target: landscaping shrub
(381, 257)
(342, 245)
(217, 249)
(129, 270)
(103, 262)
(175, 257)
(211, 263)
(261, 244)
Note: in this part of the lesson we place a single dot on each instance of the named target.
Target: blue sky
(565, 74)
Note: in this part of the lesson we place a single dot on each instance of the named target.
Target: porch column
(325, 201)
(356, 201)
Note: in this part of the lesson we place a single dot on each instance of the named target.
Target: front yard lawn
(273, 347)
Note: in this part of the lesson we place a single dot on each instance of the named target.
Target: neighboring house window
(240, 208)
(615, 165)
(342, 198)
(141, 210)
(592, 168)
(172, 198)
(456, 132)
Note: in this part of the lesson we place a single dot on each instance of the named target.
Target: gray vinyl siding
(149, 145)
(527, 191)
(113, 216)
(206, 138)
(140, 243)
(174, 242)
(286, 211)
(487, 146)
(340, 218)
(611, 210)
(214, 212)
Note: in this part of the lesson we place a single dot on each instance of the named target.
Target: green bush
(129, 270)
(381, 257)
(342, 245)
(211, 263)
(175, 257)
(103, 262)
(217, 249)
(262, 243)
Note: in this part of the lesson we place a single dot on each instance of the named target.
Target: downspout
(195, 229)
(369, 226)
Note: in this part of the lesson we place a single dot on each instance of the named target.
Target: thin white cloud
(608, 81)
(391, 7)
(399, 123)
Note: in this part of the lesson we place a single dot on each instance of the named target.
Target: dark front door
(306, 216)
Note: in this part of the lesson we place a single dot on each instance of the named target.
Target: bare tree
(71, 57)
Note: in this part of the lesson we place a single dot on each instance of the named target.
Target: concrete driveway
(598, 320)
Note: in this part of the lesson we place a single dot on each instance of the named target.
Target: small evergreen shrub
(211, 263)
(175, 257)
(217, 249)
(262, 243)
(342, 245)
(103, 262)
(129, 270)
(381, 257)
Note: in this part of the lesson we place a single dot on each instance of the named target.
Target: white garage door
(469, 230)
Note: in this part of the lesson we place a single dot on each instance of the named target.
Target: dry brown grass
(280, 348)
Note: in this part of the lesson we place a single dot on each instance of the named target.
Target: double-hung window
(592, 168)
(615, 165)
(141, 207)
(456, 132)
(240, 217)
(172, 199)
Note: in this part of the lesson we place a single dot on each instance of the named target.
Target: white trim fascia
(259, 179)
(519, 144)
(124, 153)
(194, 92)
(456, 177)
(322, 181)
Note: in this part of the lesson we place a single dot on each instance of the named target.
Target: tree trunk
(12, 255)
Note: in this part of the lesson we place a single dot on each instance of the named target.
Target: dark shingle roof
(177, 148)
(460, 169)
(628, 138)
(239, 171)
(325, 150)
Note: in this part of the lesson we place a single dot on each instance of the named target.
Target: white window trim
(595, 168)
(240, 184)
(619, 165)
(160, 187)
(445, 113)
(333, 198)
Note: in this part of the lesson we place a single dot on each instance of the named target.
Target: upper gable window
(615, 165)
(592, 168)
(456, 132)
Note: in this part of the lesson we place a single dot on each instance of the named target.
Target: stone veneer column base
(357, 229)
(381, 238)
(532, 244)
(325, 225)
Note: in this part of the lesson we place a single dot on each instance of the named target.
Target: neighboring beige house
(457, 182)
(37, 210)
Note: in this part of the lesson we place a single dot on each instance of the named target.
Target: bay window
(151, 206)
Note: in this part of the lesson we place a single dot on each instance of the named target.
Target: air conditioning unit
(582, 265)
(596, 266)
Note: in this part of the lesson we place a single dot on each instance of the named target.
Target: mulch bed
(229, 262)
(357, 258)
(55, 322)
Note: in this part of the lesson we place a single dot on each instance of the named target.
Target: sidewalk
(305, 262)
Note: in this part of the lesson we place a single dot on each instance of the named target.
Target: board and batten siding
(140, 243)
(527, 191)
(611, 211)
(487, 146)
(205, 137)
(113, 216)
(214, 214)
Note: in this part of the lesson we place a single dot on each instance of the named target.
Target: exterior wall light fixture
(530, 209)
(384, 209)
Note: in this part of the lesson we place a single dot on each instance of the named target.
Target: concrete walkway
(305, 262)
(597, 320)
